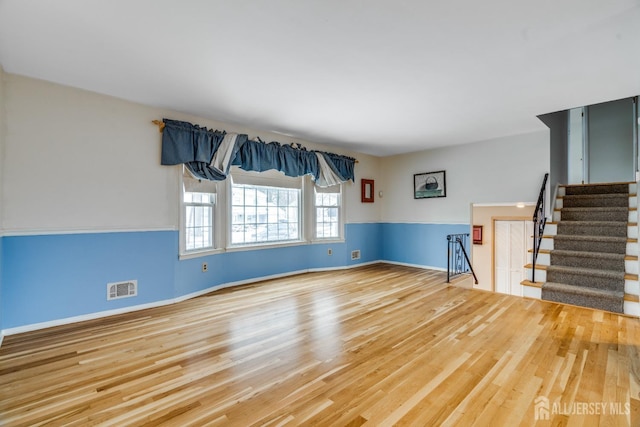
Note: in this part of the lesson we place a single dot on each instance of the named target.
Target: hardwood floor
(378, 346)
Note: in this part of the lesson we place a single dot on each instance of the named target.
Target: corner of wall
(2, 138)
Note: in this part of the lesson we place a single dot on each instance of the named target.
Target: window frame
(215, 215)
(223, 206)
(271, 179)
(314, 217)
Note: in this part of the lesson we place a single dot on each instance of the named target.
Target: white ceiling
(376, 76)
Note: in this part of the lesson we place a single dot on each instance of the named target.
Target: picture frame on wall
(366, 190)
(477, 234)
(429, 185)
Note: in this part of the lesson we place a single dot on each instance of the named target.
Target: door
(512, 243)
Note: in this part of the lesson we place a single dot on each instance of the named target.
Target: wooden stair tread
(540, 251)
(627, 276)
(551, 236)
(594, 184)
(548, 252)
(531, 284)
(631, 298)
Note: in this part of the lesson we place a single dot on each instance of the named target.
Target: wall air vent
(122, 289)
(355, 254)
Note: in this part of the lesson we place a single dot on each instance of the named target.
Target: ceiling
(377, 76)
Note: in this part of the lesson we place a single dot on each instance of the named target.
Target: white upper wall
(80, 161)
(75, 160)
(502, 170)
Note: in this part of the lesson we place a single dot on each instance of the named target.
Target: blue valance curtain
(209, 154)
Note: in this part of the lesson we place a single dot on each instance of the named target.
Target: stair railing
(457, 258)
(539, 221)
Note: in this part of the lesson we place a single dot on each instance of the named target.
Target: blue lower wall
(47, 278)
(419, 244)
(52, 277)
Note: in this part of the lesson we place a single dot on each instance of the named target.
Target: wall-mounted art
(429, 184)
(366, 190)
(477, 234)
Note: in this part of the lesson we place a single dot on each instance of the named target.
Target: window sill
(267, 245)
(198, 254)
(258, 246)
(328, 240)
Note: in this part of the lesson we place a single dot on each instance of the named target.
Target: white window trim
(271, 179)
(222, 215)
(183, 253)
(311, 231)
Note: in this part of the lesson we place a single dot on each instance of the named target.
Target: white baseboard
(101, 314)
(404, 264)
(343, 267)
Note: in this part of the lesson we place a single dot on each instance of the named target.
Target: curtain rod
(160, 125)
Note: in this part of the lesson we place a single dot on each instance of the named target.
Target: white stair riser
(631, 266)
(632, 287)
(546, 244)
(531, 292)
(543, 259)
(631, 308)
(541, 275)
(551, 229)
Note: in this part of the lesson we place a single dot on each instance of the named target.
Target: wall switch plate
(329, 251)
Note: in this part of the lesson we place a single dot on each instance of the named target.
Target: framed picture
(477, 234)
(366, 190)
(429, 184)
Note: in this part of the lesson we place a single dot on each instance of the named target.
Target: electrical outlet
(329, 251)
(205, 267)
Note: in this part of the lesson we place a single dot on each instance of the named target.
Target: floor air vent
(355, 254)
(122, 289)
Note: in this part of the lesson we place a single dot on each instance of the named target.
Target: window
(261, 214)
(198, 212)
(327, 206)
(198, 227)
(256, 208)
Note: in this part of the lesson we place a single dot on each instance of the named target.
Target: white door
(512, 243)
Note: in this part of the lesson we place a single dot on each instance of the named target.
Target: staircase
(589, 253)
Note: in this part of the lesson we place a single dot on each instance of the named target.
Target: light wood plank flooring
(378, 346)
